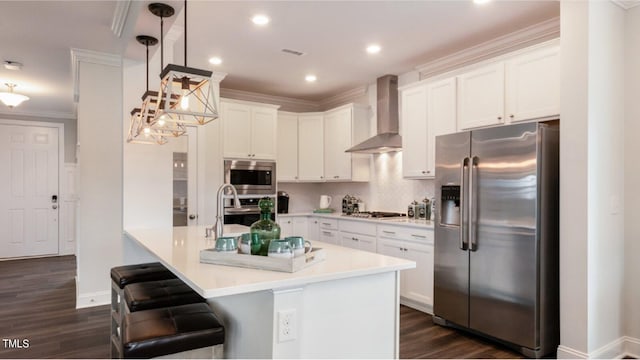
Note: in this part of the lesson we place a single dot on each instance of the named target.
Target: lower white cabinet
(328, 231)
(416, 285)
(358, 235)
(293, 226)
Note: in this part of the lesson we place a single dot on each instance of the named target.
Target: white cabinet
(358, 235)
(293, 226)
(428, 110)
(287, 160)
(523, 86)
(313, 227)
(533, 85)
(328, 231)
(481, 97)
(249, 130)
(322, 139)
(310, 147)
(416, 285)
(344, 127)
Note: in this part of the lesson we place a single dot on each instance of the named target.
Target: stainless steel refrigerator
(496, 235)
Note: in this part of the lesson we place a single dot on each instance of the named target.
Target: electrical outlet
(287, 325)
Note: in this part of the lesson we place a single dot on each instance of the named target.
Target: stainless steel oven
(246, 215)
(251, 177)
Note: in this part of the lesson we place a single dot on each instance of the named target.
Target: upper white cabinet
(287, 145)
(481, 97)
(428, 110)
(310, 147)
(523, 86)
(533, 85)
(249, 130)
(344, 127)
(318, 152)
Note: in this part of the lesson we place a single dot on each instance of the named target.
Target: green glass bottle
(266, 228)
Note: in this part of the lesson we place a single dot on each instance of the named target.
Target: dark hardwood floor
(37, 303)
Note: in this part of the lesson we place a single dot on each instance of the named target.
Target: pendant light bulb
(161, 121)
(147, 130)
(184, 99)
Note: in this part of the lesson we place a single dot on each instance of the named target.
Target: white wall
(591, 180)
(99, 180)
(632, 176)
(606, 173)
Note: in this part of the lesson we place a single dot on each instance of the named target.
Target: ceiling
(332, 34)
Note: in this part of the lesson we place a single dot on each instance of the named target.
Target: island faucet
(218, 227)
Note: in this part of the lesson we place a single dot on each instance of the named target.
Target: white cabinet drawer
(330, 236)
(358, 241)
(331, 224)
(358, 227)
(406, 233)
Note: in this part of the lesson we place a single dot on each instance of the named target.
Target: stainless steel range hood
(388, 138)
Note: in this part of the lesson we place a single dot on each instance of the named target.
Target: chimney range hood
(387, 138)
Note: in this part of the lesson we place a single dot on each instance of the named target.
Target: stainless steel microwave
(251, 177)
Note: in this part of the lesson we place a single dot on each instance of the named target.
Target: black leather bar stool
(125, 275)
(158, 294)
(185, 331)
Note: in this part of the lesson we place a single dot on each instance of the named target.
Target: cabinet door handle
(424, 172)
(321, 177)
(354, 239)
(419, 236)
(511, 116)
(499, 117)
(327, 233)
(295, 177)
(428, 171)
(326, 224)
(389, 232)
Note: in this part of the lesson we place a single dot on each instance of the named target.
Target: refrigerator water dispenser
(450, 205)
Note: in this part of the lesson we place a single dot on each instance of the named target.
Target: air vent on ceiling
(293, 52)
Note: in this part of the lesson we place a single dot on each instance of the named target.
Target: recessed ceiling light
(215, 60)
(260, 20)
(310, 78)
(12, 65)
(373, 49)
(481, 1)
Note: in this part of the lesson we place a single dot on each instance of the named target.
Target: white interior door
(28, 187)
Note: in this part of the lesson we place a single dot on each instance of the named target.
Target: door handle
(192, 216)
(54, 199)
(473, 205)
(54, 206)
(464, 225)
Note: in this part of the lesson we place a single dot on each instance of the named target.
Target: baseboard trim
(617, 349)
(93, 299)
(631, 347)
(612, 350)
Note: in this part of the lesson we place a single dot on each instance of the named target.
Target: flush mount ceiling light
(310, 78)
(373, 49)
(481, 1)
(11, 99)
(260, 20)
(191, 87)
(12, 65)
(215, 60)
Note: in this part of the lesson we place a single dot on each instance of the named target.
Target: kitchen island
(344, 307)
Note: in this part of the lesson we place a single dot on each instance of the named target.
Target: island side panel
(351, 318)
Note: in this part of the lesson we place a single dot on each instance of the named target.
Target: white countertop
(401, 221)
(179, 250)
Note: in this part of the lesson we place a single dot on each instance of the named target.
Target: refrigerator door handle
(464, 225)
(473, 204)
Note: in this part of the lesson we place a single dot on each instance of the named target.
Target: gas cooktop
(374, 214)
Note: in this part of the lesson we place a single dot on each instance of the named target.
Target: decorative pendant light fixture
(136, 136)
(140, 131)
(10, 98)
(149, 124)
(186, 94)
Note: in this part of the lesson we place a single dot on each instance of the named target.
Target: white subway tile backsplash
(386, 191)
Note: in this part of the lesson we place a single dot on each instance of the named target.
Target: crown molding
(533, 34)
(38, 114)
(218, 76)
(120, 16)
(92, 57)
(286, 103)
(343, 98)
(626, 4)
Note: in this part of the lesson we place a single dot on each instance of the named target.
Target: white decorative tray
(211, 256)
